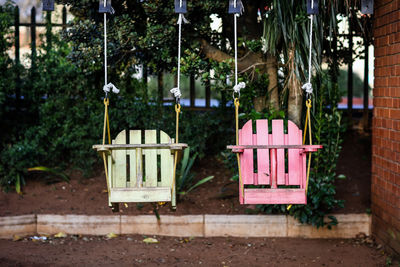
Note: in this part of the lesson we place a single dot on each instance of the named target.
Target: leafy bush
(6, 64)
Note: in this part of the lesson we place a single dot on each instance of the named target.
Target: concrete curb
(182, 226)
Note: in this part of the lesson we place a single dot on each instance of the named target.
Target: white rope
(236, 53)
(177, 90)
(105, 48)
(237, 87)
(110, 87)
(307, 87)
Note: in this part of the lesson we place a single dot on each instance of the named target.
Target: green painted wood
(167, 166)
(110, 172)
(139, 168)
(135, 137)
(112, 167)
(150, 137)
(150, 194)
(120, 161)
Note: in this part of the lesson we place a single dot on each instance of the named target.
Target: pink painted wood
(278, 138)
(246, 160)
(273, 174)
(295, 162)
(262, 154)
(275, 196)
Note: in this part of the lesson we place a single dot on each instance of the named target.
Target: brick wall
(386, 125)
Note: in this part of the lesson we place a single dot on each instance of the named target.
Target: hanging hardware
(105, 7)
(181, 6)
(235, 7)
(312, 7)
(367, 7)
(48, 5)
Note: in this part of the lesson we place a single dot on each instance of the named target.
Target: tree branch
(245, 63)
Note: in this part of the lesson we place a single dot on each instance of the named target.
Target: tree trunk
(295, 99)
(260, 103)
(295, 104)
(272, 70)
(249, 63)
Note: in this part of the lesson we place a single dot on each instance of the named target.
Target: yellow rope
(308, 119)
(178, 111)
(308, 123)
(106, 127)
(237, 104)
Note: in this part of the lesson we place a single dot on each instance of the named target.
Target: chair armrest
(172, 146)
(306, 148)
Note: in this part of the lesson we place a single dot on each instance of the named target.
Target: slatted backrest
(139, 167)
(271, 163)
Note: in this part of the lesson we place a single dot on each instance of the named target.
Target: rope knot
(176, 92)
(110, 87)
(238, 87)
(308, 88)
(182, 19)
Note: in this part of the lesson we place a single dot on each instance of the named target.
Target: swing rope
(236, 99)
(108, 87)
(106, 127)
(309, 90)
(177, 94)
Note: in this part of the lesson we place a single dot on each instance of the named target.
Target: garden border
(182, 226)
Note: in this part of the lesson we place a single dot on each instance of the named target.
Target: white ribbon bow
(308, 88)
(176, 92)
(110, 87)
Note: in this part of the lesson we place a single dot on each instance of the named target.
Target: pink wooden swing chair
(273, 181)
(282, 173)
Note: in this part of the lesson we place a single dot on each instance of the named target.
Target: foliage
(6, 64)
(185, 178)
(63, 111)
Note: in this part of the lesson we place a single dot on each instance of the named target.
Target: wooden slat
(135, 137)
(150, 137)
(275, 196)
(246, 159)
(151, 194)
(139, 168)
(167, 167)
(111, 167)
(173, 146)
(306, 148)
(167, 162)
(262, 154)
(120, 161)
(304, 170)
(278, 139)
(294, 158)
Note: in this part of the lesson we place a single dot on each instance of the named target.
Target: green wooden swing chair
(140, 165)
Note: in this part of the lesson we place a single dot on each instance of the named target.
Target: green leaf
(202, 181)
(50, 170)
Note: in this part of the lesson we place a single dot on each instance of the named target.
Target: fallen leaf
(111, 235)
(150, 240)
(126, 205)
(17, 238)
(60, 235)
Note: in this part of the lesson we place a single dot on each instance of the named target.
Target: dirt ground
(132, 251)
(88, 196)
